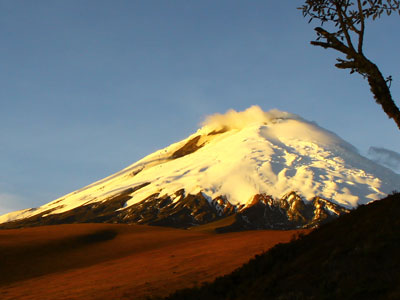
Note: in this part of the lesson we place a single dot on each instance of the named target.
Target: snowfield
(239, 155)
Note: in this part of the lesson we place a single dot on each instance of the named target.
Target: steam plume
(238, 120)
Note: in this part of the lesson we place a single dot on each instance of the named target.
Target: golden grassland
(115, 261)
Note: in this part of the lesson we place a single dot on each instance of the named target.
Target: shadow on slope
(32, 252)
(353, 257)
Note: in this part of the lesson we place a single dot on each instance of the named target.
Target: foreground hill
(272, 170)
(107, 261)
(356, 256)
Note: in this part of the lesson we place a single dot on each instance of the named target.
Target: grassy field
(107, 261)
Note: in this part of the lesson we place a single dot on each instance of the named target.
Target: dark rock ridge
(289, 212)
(190, 147)
(185, 211)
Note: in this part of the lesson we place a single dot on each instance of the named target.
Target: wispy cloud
(10, 202)
(385, 157)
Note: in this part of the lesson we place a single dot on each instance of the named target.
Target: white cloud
(385, 157)
(9, 203)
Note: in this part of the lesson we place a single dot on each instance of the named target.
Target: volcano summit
(266, 169)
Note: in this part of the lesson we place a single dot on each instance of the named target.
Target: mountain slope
(118, 261)
(230, 164)
(332, 262)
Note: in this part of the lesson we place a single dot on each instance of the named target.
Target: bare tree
(348, 19)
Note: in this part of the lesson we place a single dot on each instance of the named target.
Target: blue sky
(89, 87)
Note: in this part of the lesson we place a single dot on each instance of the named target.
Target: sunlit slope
(237, 156)
(119, 261)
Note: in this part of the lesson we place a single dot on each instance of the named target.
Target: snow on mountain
(235, 157)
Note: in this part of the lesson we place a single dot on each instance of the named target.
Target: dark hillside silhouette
(357, 256)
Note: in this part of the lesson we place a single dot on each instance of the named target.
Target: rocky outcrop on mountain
(289, 212)
(185, 211)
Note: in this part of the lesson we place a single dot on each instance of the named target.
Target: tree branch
(332, 42)
(351, 25)
(343, 64)
(350, 22)
(343, 25)
(321, 44)
(361, 34)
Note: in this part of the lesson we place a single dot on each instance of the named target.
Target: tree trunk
(379, 87)
(382, 94)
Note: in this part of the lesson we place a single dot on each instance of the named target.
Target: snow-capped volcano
(231, 163)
